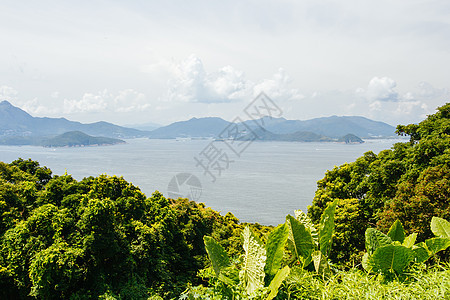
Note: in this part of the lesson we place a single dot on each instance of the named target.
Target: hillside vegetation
(377, 229)
(410, 182)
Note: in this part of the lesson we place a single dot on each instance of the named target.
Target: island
(350, 139)
(67, 139)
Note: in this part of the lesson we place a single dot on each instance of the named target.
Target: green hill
(78, 139)
(16, 122)
(350, 139)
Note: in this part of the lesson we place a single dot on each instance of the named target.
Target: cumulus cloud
(32, 106)
(278, 87)
(384, 102)
(191, 83)
(127, 100)
(7, 93)
(35, 107)
(427, 91)
(88, 103)
(380, 89)
(130, 100)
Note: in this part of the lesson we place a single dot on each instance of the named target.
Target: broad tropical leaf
(300, 238)
(396, 232)
(277, 281)
(229, 275)
(437, 244)
(275, 249)
(410, 240)
(421, 252)
(327, 228)
(376, 239)
(440, 227)
(365, 262)
(320, 262)
(217, 255)
(252, 272)
(391, 258)
(305, 220)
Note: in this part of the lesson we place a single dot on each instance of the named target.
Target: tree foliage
(62, 238)
(410, 183)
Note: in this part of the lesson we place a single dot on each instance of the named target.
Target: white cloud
(427, 91)
(7, 93)
(381, 89)
(191, 83)
(384, 102)
(130, 100)
(278, 87)
(88, 103)
(35, 107)
(127, 100)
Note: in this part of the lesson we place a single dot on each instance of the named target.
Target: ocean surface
(267, 181)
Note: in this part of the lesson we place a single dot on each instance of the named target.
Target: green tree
(409, 182)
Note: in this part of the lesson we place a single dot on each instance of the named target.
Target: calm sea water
(268, 181)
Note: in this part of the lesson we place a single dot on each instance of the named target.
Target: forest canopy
(409, 182)
(102, 237)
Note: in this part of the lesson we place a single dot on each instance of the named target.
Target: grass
(423, 283)
(432, 283)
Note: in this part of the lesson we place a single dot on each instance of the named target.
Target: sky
(133, 62)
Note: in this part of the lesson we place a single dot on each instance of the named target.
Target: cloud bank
(191, 91)
(191, 83)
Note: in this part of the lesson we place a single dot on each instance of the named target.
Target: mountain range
(333, 127)
(14, 122)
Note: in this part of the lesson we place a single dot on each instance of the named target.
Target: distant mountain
(149, 126)
(16, 122)
(202, 127)
(333, 126)
(299, 136)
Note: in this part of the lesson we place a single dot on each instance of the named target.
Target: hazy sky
(133, 62)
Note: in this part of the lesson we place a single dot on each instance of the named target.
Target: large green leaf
(396, 232)
(376, 239)
(300, 238)
(326, 228)
(320, 262)
(277, 281)
(365, 262)
(229, 275)
(305, 220)
(391, 258)
(437, 244)
(217, 255)
(421, 252)
(440, 227)
(410, 240)
(252, 272)
(275, 249)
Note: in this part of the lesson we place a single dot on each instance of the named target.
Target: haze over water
(269, 180)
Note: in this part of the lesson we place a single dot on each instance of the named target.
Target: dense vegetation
(61, 238)
(410, 182)
(377, 228)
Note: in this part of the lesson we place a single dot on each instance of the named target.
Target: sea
(261, 182)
